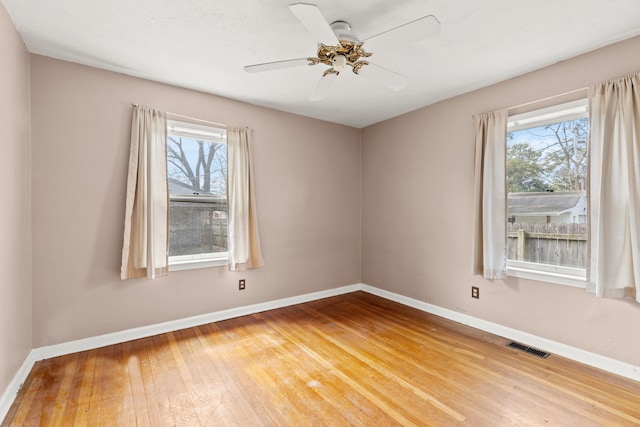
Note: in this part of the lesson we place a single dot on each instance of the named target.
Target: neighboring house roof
(177, 187)
(543, 203)
(189, 196)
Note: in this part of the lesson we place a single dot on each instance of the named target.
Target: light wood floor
(350, 360)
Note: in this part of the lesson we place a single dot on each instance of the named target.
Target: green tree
(548, 158)
(525, 172)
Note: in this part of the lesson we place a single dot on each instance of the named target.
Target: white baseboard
(582, 356)
(592, 359)
(175, 325)
(7, 398)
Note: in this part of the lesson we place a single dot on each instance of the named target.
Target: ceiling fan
(344, 49)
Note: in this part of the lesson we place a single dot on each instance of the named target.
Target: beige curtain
(490, 197)
(243, 235)
(144, 252)
(614, 190)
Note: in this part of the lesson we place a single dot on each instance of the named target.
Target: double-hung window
(197, 175)
(547, 209)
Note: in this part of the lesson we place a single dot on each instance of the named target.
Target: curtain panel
(145, 247)
(242, 219)
(490, 196)
(614, 188)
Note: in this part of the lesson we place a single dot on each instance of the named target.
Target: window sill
(191, 262)
(567, 276)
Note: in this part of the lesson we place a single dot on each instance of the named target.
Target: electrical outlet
(475, 292)
(241, 284)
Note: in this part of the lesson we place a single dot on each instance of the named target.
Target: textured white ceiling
(204, 44)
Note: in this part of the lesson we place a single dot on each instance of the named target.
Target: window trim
(564, 112)
(561, 275)
(191, 262)
(215, 135)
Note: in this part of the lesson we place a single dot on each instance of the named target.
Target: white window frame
(561, 275)
(212, 134)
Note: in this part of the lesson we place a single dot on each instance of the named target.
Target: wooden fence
(556, 244)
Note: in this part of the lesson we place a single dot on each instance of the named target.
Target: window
(547, 215)
(197, 175)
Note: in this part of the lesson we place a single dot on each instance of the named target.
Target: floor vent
(534, 351)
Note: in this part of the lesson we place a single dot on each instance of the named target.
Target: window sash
(565, 112)
(213, 135)
(563, 275)
(196, 198)
(195, 131)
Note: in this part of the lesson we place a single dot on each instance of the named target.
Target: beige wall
(418, 172)
(417, 193)
(308, 193)
(15, 210)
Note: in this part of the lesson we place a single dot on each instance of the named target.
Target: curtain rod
(134, 105)
(571, 92)
(524, 104)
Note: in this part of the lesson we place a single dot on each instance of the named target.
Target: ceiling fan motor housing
(343, 31)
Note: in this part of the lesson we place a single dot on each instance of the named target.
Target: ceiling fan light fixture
(339, 62)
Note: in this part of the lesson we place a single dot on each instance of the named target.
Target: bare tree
(202, 166)
(567, 156)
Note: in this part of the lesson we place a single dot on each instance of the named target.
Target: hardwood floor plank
(230, 363)
(135, 394)
(73, 397)
(297, 374)
(107, 407)
(43, 405)
(354, 373)
(96, 394)
(209, 392)
(387, 356)
(264, 371)
(17, 415)
(171, 367)
(447, 368)
(85, 387)
(351, 360)
(159, 364)
(217, 358)
(146, 351)
(528, 368)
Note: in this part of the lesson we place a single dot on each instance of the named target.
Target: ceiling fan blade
(276, 65)
(323, 88)
(384, 77)
(411, 32)
(313, 20)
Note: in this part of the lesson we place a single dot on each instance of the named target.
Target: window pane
(547, 200)
(197, 174)
(196, 166)
(197, 228)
